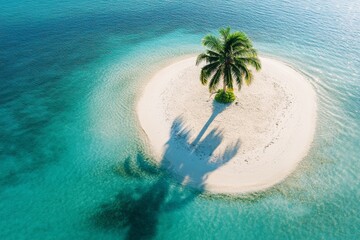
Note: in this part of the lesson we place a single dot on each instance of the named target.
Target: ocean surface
(74, 163)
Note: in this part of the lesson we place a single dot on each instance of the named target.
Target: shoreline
(245, 147)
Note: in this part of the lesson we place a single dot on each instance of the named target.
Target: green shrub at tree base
(225, 97)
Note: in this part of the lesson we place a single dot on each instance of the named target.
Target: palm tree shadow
(217, 108)
(137, 211)
(197, 159)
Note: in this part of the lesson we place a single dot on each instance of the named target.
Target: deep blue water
(73, 163)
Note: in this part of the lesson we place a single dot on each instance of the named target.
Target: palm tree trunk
(224, 87)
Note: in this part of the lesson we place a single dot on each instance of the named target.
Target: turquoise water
(74, 164)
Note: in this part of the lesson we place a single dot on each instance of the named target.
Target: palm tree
(227, 57)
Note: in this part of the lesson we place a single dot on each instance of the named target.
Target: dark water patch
(28, 141)
(18, 164)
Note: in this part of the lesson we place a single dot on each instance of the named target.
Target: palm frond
(224, 32)
(211, 59)
(212, 43)
(245, 52)
(204, 75)
(211, 67)
(215, 80)
(202, 57)
(237, 40)
(248, 76)
(238, 75)
(252, 61)
(207, 71)
(213, 53)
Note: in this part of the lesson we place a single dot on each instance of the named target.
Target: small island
(248, 144)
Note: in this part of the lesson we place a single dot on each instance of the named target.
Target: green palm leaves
(227, 58)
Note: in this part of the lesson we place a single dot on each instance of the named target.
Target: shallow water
(74, 164)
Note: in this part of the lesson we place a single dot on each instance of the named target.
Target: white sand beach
(247, 146)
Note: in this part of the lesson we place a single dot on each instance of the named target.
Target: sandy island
(247, 146)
